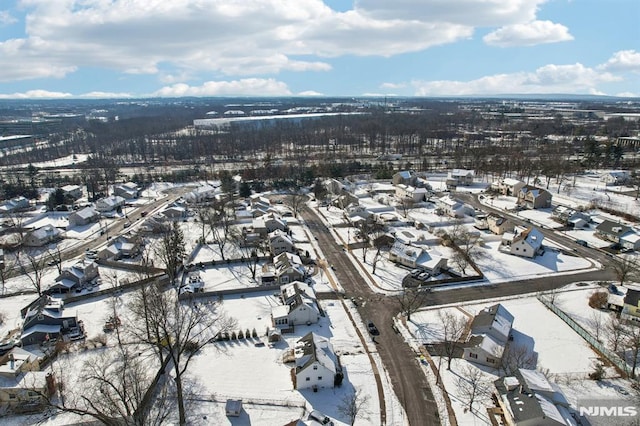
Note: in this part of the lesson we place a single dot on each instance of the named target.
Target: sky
(162, 48)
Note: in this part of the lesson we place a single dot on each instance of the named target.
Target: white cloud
(628, 95)
(243, 87)
(393, 86)
(623, 60)
(36, 94)
(105, 95)
(310, 93)
(551, 78)
(6, 18)
(230, 37)
(528, 34)
(463, 12)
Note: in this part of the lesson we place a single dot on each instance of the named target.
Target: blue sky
(140, 48)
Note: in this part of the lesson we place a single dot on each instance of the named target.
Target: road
(407, 378)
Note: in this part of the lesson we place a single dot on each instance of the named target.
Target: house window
(472, 355)
(319, 377)
(491, 360)
(524, 251)
(315, 367)
(517, 249)
(308, 379)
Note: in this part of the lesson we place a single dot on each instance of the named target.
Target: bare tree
(465, 246)
(171, 251)
(55, 255)
(626, 268)
(250, 253)
(411, 300)
(406, 204)
(597, 323)
(472, 385)
(354, 406)
(220, 221)
(32, 266)
(631, 344)
(179, 328)
(7, 271)
(514, 357)
(369, 231)
(615, 332)
(453, 328)
(296, 201)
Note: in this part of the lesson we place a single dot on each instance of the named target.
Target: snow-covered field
(561, 353)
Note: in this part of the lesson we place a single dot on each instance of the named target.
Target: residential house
(528, 398)
(268, 223)
(109, 204)
(317, 365)
(490, 331)
(286, 268)
(127, 190)
(508, 186)
(498, 224)
(615, 177)
(125, 246)
(299, 306)
(461, 177)
(345, 200)
(417, 257)
(416, 195)
(201, 194)
(405, 177)
(532, 197)
(570, 217)
(42, 236)
(527, 243)
(174, 212)
(155, 225)
(630, 240)
(280, 242)
(23, 387)
(45, 321)
(631, 303)
(452, 207)
(73, 192)
(75, 276)
(15, 205)
(83, 217)
(334, 186)
(480, 221)
(611, 231)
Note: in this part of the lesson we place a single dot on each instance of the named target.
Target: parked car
(320, 418)
(423, 276)
(583, 243)
(373, 330)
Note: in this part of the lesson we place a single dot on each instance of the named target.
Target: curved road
(407, 378)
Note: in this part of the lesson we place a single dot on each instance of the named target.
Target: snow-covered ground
(561, 353)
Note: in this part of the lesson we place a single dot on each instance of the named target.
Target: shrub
(598, 299)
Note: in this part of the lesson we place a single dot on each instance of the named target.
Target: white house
(490, 331)
(280, 242)
(127, 190)
(527, 243)
(72, 191)
(615, 177)
(417, 257)
(498, 224)
(412, 193)
(316, 363)
(42, 236)
(83, 217)
(201, 193)
(299, 306)
(109, 204)
(452, 207)
(269, 223)
(461, 176)
(174, 212)
(508, 186)
(406, 177)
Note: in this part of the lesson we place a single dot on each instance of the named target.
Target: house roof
(531, 236)
(86, 213)
(511, 182)
(612, 228)
(632, 297)
(313, 348)
(496, 316)
(462, 173)
(630, 236)
(41, 328)
(534, 191)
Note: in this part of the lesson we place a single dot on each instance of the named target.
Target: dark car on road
(373, 330)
